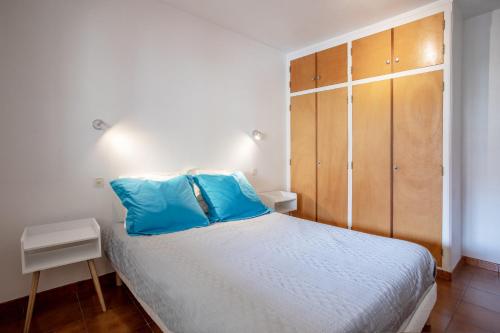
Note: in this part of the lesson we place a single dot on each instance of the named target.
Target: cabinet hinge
(352, 165)
(352, 99)
(351, 51)
(290, 84)
(443, 48)
(442, 170)
(290, 162)
(290, 69)
(444, 24)
(351, 70)
(443, 85)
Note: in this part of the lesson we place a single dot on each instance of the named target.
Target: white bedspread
(274, 273)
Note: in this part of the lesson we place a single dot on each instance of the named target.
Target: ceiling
(476, 7)
(289, 25)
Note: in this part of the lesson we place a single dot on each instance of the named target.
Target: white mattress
(274, 273)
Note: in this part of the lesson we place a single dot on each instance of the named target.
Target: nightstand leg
(97, 285)
(31, 302)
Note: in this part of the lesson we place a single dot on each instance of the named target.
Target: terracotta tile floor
(470, 303)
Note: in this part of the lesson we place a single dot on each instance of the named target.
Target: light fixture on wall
(100, 125)
(257, 135)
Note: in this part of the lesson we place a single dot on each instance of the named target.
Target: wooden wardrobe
(396, 132)
(397, 158)
(319, 69)
(319, 156)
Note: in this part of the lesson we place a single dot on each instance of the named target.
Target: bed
(275, 273)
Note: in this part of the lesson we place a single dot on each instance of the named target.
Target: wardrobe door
(332, 66)
(303, 154)
(332, 157)
(371, 55)
(419, 44)
(371, 149)
(303, 73)
(418, 156)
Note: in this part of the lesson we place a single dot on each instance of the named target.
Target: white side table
(281, 201)
(57, 244)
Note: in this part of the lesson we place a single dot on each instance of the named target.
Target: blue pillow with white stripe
(159, 207)
(229, 197)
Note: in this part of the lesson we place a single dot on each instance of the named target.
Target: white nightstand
(280, 201)
(57, 244)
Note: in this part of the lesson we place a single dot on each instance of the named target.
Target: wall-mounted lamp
(257, 135)
(100, 125)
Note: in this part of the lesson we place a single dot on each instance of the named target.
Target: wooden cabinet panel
(418, 156)
(371, 174)
(419, 44)
(303, 73)
(371, 55)
(332, 66)
(303, 154)
(332, 157)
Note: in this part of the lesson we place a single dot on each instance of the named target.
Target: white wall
(180, 92)
(481, 137)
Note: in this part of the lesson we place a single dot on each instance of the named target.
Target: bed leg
(118, 280)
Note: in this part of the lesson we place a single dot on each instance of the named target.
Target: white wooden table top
(54, 234)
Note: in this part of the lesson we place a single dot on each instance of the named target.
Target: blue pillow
(158, 207)
(229, 197)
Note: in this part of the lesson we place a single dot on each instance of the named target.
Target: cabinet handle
(318, 77)
(387, 62)
(319, 163)
(396, 168)
(397, 59)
